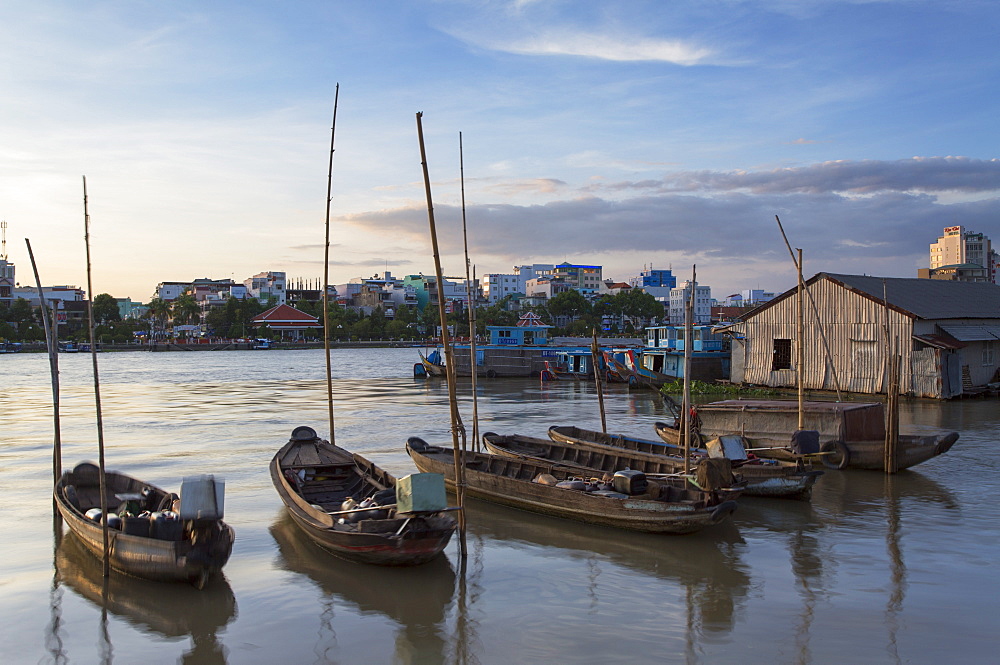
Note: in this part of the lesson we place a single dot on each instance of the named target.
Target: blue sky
(624, 133)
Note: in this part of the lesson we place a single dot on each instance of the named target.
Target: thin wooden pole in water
(891, 392)
(97, 385)
(688, 341)
(456, 418)
(471, 304)
(596, 361)
(326, 272)
(48, 321)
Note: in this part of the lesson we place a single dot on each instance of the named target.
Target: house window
(989, 358)
(781, 357)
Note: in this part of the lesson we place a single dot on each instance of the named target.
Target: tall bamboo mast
(800, 329)
(471, 304)
(326, 272)
(688, 342)
(799, 347)
(456, 418)
(97, 384)
(48, 321)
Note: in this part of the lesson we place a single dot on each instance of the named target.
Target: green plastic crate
(421, 492)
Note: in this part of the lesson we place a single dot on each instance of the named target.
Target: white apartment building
(265, 285)
(957, 247)
(53, 295)
(702, 303)
(499, 285)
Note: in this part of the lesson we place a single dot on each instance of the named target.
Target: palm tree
(184, 309)
(158, 310)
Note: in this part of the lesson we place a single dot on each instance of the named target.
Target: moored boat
(851, 434)
(764, 477)
(151, 540)
(432, 364)
(348, 505)
(524, 483)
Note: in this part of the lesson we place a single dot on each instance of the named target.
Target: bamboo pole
(456, 419)
(688, 341)
(596, 361)
(799, 344)
(470, 303)
(97, 385)
(326, 273)
(892, 370)
(51, 343)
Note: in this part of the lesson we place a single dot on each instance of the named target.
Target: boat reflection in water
(169, 610)
(706, 565)
(853, 502)
(416, 598)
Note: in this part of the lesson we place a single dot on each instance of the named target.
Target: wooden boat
(512, 482)
(431, 367)
(852, 434)
(771, 478)
(347, 504)
(643, 375)
(614, 371)
(192, 551)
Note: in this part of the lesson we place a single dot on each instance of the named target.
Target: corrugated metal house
(946, 333)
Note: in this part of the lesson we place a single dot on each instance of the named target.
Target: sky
(628, 134)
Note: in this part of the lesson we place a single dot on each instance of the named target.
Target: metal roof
(973, 333)
(920, 298)
(928, 298)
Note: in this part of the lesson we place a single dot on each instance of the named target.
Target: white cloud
(605, 47)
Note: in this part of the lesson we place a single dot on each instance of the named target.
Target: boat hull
(508, 481)
(139, 556)
(772, 479)
(386, 541)
(858, 427)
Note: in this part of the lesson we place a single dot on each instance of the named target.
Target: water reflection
(707, 564)
(854, 493)
(169, 610)
(415, 598)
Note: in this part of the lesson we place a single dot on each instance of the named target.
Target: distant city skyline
(623, 134)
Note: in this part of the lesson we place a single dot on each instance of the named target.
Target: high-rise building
(958, 248)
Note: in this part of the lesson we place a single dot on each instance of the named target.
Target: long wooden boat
(770, 478)
(192, 551)
(851, 433)
(515, 482)
(314, 479)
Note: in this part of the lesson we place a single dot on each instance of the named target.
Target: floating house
(946, 335)
(664, 352)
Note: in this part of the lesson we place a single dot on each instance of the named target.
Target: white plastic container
(202, 498)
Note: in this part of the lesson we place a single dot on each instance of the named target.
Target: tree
(21, 311)
(185, 308)
(106, 309)
(158, 310)
(568, 304)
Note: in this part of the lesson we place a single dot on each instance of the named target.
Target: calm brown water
(873, 570)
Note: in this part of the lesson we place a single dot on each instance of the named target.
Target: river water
(873, 570)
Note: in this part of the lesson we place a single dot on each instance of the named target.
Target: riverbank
(230, 345)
